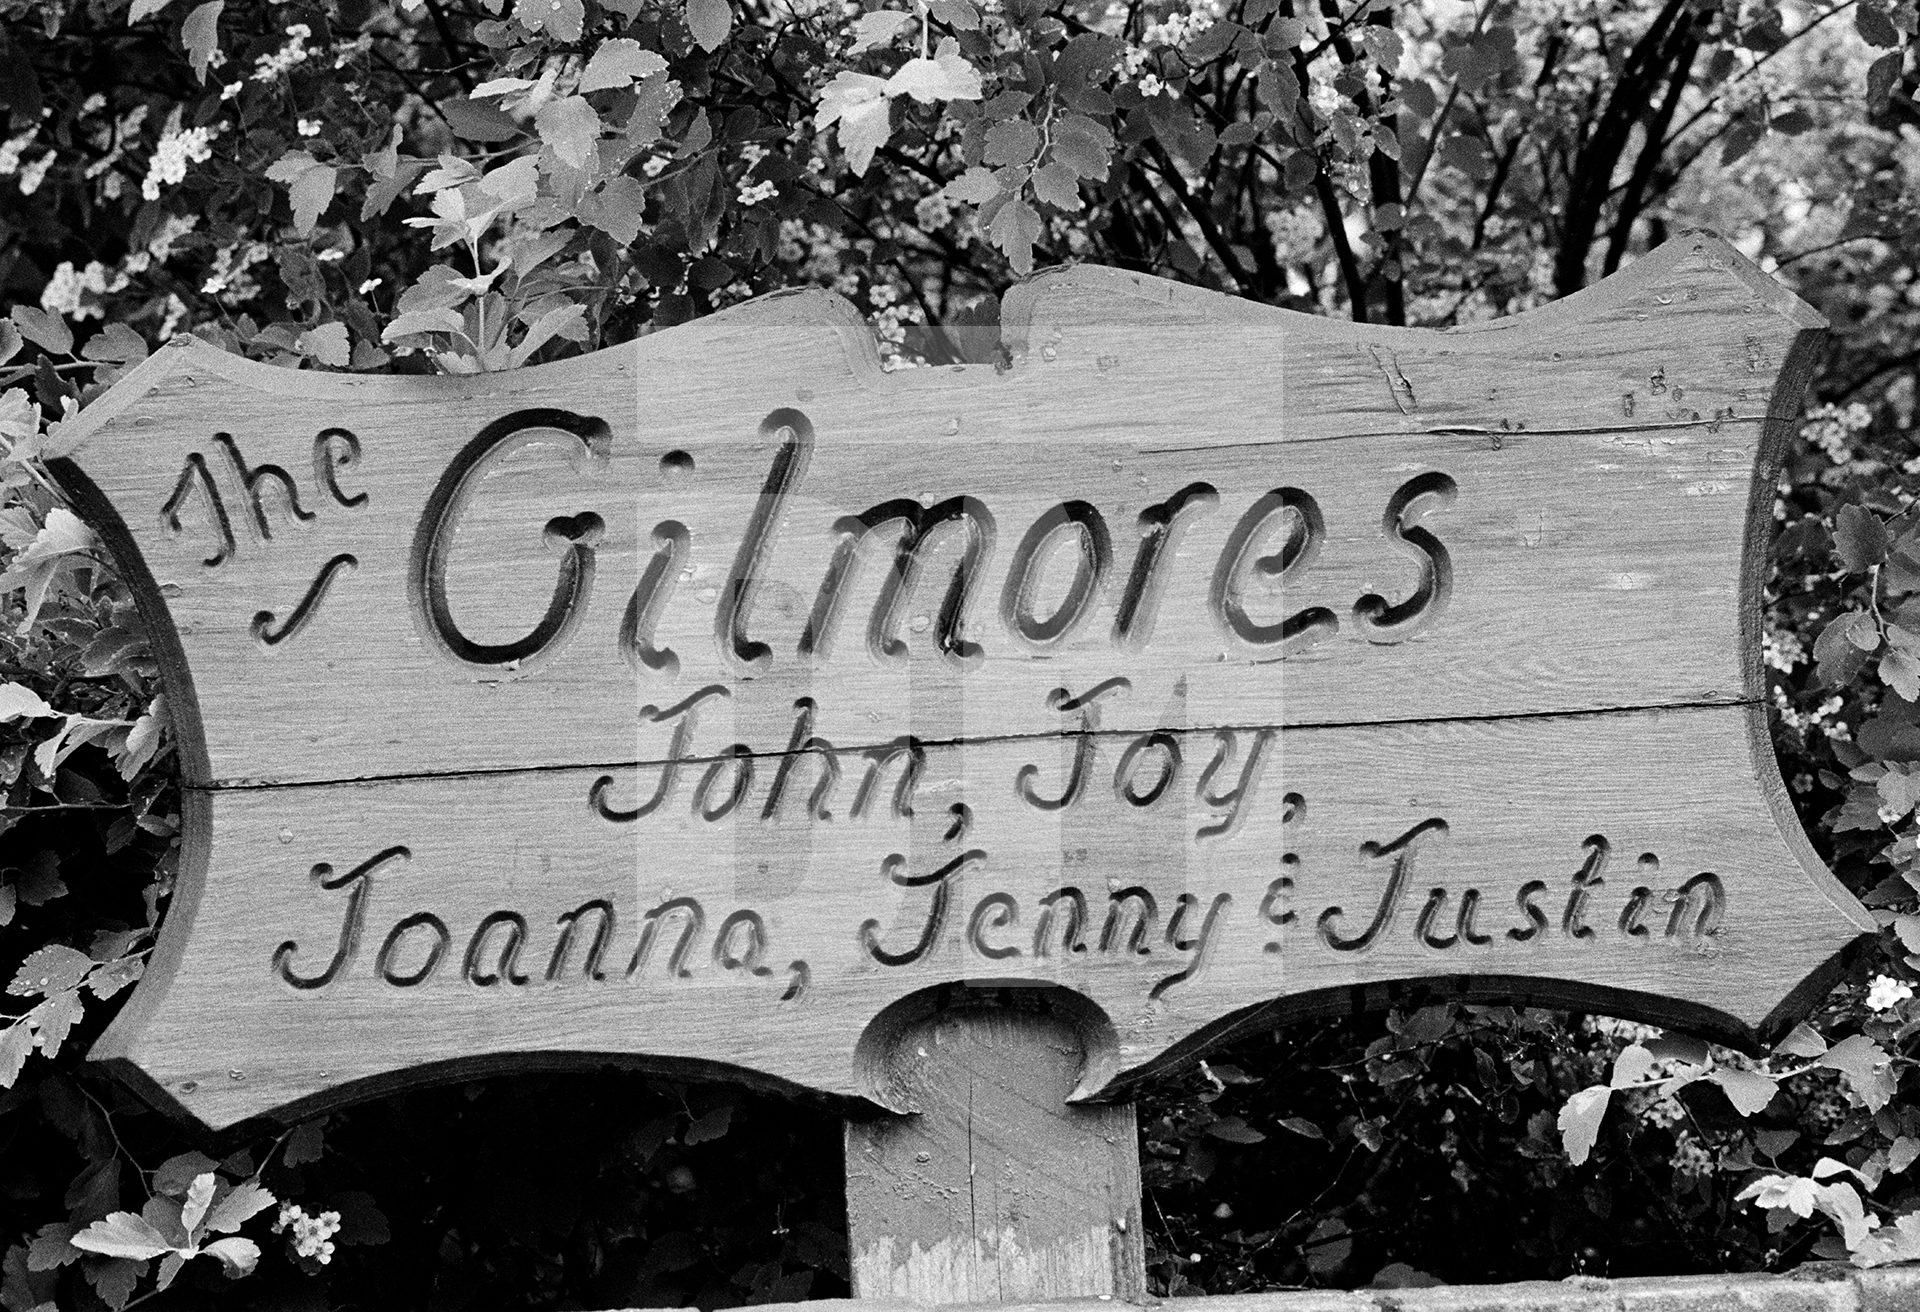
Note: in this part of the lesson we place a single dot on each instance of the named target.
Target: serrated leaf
(54, 1019)
(52, 1247)
(114, 976)
(517, 182)
(19, 702)
(1233, 1129)
(571, 127)
(50, 969)
(553, 323)
(563, 20)
(1058, 186)
(1014, 230)
(1579, 1121)
(1748, 1091)
(1803, 1041)
(44, 329)
(476, 120)
(123, 1234)
(1866, 1067)
(976, 186)
(327, 343)
(310, 186)
(179, 1172)
(1899, 669)
(1859, 538)
(200, 34)
(116, 344)
(858, 103)
(1899, 1242)
(1012, 143)
(1084, 155)
(10, 340)
(877, 28)
(960, 15)
(619, 62)
(709, 21)
(243, 1202)
(947, 76)
(711, 1126)
(1383, 44)
(239, 1256)
(193, 1209)
(619, 209)
(306, 1143)
(1300, 1125)
(1632, 1066)
(16, 1045)
(113, 1279)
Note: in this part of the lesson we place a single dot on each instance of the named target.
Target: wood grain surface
(996, 1191)
(697, 701)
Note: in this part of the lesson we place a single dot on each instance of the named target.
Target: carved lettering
(196, 477)
(1200, 944)
(391, 949)
(271, 631)
(255, 479)
(1401, 851)
(918, 526)
(691, 917)
(1240, 563)
(334, 451)
(794, 432)
(506, 961)
(569, 924)
(1093, 553)
(671, 543)
(1382, 621)
(994, 911)
(1161, 528)
(359, 884)
(575, 536)
(1088, 704)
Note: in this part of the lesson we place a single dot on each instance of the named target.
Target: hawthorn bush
(468, 185)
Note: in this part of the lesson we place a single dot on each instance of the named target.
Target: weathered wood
(1598, 459)
(994, 1190)
(1371, 660)
(1505, 807)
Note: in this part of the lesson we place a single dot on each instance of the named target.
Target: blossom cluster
(1832, 429)
(312, 1233)
(177, 148)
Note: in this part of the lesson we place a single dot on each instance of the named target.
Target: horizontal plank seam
(1586, 430)
(251, 785)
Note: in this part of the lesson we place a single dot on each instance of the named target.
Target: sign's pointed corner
(1706, 245)
(178, 354)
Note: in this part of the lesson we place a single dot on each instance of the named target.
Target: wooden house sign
(710, 700)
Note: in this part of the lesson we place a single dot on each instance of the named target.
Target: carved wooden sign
(710, 700)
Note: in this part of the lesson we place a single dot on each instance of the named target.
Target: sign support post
(997, 1191)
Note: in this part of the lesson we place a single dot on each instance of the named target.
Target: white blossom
(312, 1233)
(33, 174)
(177, 148)
(1886, 993)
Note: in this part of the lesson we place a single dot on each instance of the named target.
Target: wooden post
(993, 1190)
